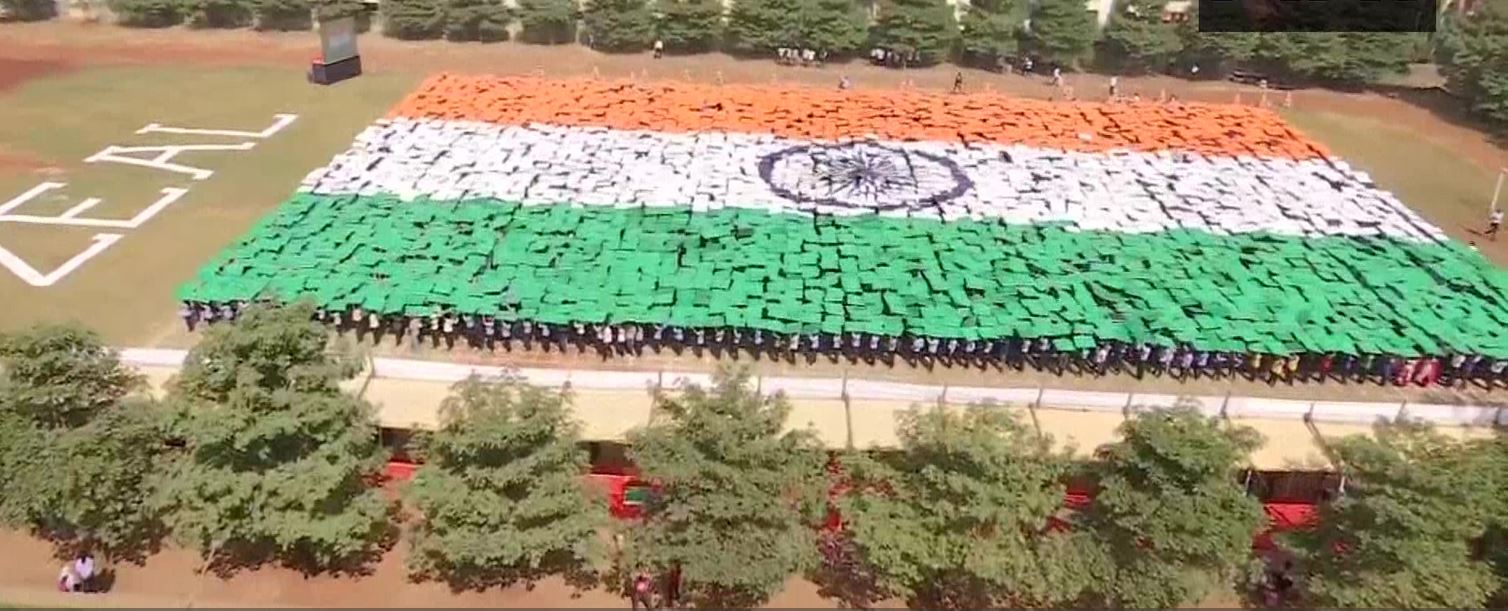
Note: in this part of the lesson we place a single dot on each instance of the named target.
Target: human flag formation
(798, 210)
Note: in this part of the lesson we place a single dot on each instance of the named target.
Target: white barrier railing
(1349, 412)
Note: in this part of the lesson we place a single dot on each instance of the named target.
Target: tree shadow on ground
(1443, 105)
(480, 579)
(238, 556)
(842, 576)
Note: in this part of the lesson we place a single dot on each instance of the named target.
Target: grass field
(53, 123)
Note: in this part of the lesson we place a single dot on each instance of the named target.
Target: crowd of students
(1043, 354)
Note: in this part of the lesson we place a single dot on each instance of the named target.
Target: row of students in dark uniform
(1139, 359)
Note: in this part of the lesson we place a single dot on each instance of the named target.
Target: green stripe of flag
(786, 272)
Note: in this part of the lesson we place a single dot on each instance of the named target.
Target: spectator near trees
(619, 25)
(1061, 32)
(991, 30)
(689, 25)
(925, 29)
(278, 462)
(500, 497)
(737, 496)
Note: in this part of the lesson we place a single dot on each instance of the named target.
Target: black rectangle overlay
(1317, 15)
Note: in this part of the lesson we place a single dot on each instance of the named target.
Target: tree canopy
(547, 21)
(991, 29)
(927, 28)
(1342, 57)
(619, 25)
(1138, 37)
(481, 20)
(77, 453)
(959, 516)
(1214, 51)
(278, 461)
(1473, 56)
(835, 26)
(500, 496)
(1061, 32)
(689, 25)
(736, 496)
(1401, 533)
(412, 19)
(1174, 524)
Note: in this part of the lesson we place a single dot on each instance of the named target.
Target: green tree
(78, 455)
(28, 10)
(327, 10)
(1174, 524)
(1401, 534)
(1214, 52)
(413, 19)
(500, 494)
(689, 25)
(736, 499)
(482, 20)
(619, 25)
(1138, 38)
(1345, 57)
(834, 26)
(62, 376)
(991, 30)
(550, 22)
(1061, 31)
(217, 13)
(957, 518)
(147, 13)
(1473, 56)
(278, 461)
(927, 28)
(282, 15)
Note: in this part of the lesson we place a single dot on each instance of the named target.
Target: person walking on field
(659, 48)
(958, 82)
(643, 591)
(1494, 222)
(1115, 87)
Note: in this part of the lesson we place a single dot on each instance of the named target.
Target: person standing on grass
(1494, 222)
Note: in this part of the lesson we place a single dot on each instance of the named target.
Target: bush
(282, 15)
(217, 13)
(27, 10)
(689, 25)
(484, 20)
(326, 10)
(413, 19)
(619, 25)
(147, 13)
(549, 22)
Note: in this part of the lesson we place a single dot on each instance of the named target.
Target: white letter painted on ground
(165, 154)
(282, 120)
(71, 216)
(30, 275)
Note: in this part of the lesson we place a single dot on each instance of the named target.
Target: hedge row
(259, 14)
